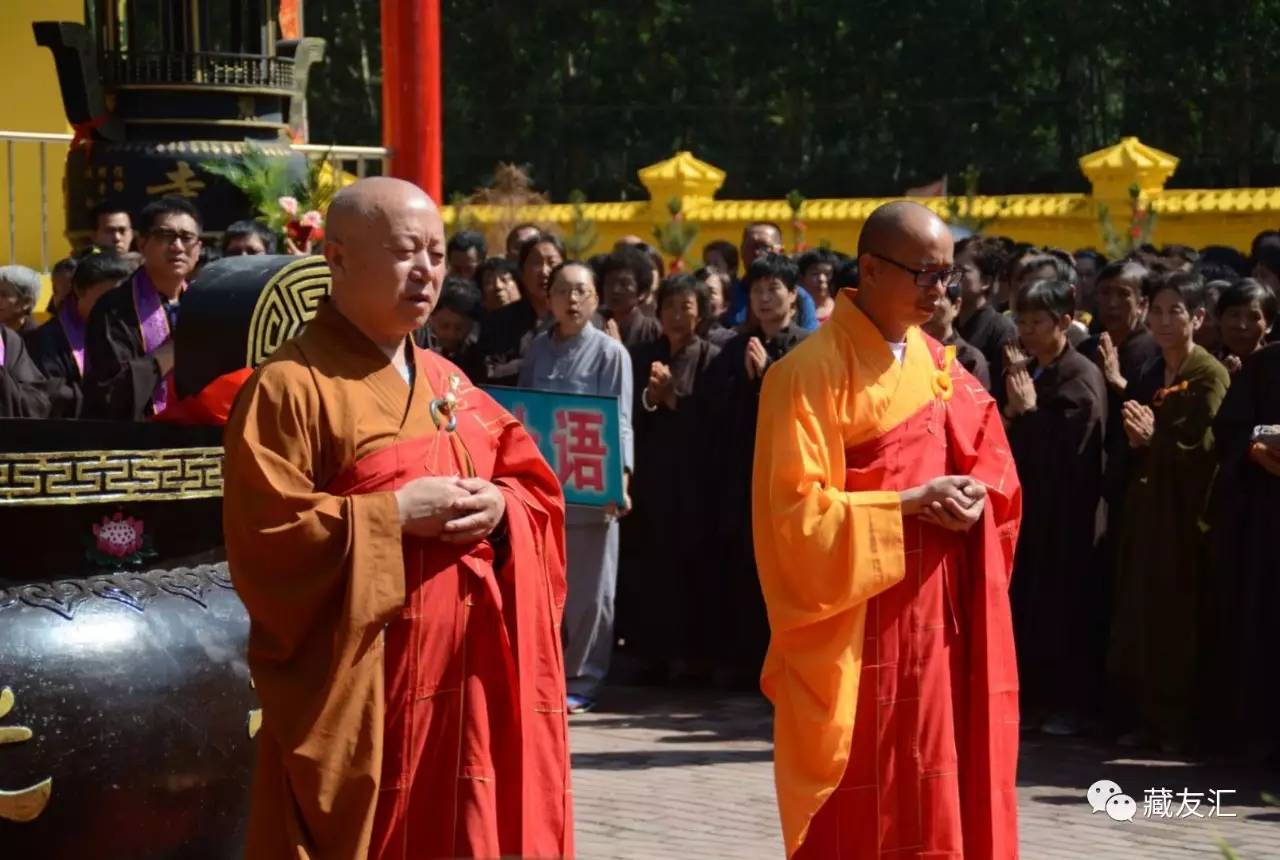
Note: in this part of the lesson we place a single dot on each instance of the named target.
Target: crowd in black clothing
(1143, 502)
(1141, 400)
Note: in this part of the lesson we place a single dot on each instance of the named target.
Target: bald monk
(885, 511)
(399, 544)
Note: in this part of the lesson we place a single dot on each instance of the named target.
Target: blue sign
(580, 436)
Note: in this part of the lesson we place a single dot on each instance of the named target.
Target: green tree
(831, 97)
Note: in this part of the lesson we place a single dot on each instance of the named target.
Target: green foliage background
(833, 97)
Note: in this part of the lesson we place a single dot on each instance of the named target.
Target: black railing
(165, 67)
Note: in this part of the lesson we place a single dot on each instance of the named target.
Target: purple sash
(73, 329)
(153, 323)
(1, 349)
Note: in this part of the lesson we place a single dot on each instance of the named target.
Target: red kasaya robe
(412, 690)
(891, 666)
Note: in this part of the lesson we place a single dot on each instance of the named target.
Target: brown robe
(323, 575)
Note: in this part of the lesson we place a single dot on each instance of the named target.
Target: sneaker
(576, 704)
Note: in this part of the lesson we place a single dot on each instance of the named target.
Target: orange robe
(891, 664)
(412, 691)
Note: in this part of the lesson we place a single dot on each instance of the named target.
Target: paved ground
(662, 774)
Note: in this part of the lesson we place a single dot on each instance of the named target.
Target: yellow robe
(822, 552)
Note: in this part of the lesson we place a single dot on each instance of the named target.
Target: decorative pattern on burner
(94, 477)
(287, 303)
(134, 589)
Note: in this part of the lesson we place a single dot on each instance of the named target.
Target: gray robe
(590, 363)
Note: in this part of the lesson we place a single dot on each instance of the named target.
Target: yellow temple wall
(1196, 217)
(31, 102)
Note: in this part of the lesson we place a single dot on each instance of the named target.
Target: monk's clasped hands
(476, 515)
(954, 502)
(455, 510)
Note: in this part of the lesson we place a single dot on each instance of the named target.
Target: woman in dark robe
(1157, 631)
(626, 278)
(664, 591)
(718, 285)
(23, 388)
(58, 346)
(1246, 521)
(980, 323)
(1121, 349)
(506, 333)
(1056, 412)
(1247, 312)
(741, 627)
(19, 291)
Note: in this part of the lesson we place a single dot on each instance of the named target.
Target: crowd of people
(106, 352)
(1140, 395)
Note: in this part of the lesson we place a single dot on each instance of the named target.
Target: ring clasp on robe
(444, 413)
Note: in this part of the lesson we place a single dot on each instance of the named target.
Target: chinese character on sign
(580, 452)
(182, 182)
(1157, 802)
(1215, 803)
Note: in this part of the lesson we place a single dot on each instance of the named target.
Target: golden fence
(30, 232)
(1121, 176)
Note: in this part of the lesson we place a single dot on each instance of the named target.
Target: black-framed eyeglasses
(167, 237)
(926, 278)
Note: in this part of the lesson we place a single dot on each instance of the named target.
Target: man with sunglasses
(129, 338)
(885, 512)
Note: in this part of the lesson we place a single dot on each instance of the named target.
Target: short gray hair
(24, 280)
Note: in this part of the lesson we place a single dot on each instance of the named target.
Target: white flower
(289, 205)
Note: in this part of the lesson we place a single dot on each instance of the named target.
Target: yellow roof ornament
(1112, 171)
(684, 176)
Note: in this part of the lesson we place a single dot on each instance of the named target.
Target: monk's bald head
(898, 225)
(369, 204)
(385, 246)
(905, 261)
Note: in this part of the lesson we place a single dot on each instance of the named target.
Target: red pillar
(411, 126)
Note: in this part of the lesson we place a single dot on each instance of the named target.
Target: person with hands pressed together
(1125, 345)
(733, 401)
(398, 543)
(575, 357)
(1121, 350)
(1156, 630)
(1056, 416)
(666, 583)
(886, 509)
